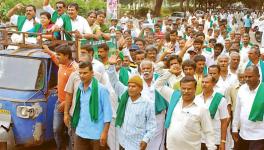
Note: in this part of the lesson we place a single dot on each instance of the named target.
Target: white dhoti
(112, 139)
(229, 140)
(158, 141)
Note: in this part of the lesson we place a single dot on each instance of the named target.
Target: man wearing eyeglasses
(57, 12)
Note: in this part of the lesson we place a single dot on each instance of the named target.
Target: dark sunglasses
(59, 7)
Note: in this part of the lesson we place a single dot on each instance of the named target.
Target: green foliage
(86, 6)
(6, 5)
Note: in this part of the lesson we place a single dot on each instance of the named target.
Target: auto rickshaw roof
(25, 52)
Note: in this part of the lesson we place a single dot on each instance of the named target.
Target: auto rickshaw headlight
(25, 111)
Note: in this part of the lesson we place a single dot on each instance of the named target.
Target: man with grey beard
(160, 105)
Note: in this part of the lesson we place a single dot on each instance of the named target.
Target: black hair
(30, 5)
(198, 58)
(219, 45)
(86, 64)
(104, 46)
(64, 49)
(175, 57)
(188, 63)
(188, 79)
(215, 66)
(46, 14)
(61, 2)
(75, 5)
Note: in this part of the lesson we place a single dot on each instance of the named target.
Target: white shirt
(79, 24)
(187, 126)
(244, 54)
(28, 25)
(249, 130)
(149, 91)
(221, 113)
(221, 86)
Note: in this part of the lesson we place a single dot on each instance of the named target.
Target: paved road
(45, 146)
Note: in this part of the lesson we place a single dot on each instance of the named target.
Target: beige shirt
(232, 95)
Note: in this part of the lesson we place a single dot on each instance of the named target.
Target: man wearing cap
(185, 121)
(135, 119)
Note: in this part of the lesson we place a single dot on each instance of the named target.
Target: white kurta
(158, 141)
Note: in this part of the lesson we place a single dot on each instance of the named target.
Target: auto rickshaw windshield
(21, 73)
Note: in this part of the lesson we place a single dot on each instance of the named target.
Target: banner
(111, 9)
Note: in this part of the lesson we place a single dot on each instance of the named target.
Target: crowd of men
(186, 84)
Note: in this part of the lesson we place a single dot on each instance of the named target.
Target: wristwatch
(223, 141)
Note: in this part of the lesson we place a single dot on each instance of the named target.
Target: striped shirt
(139, 121)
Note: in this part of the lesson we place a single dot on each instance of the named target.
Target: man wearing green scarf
(135, 113)
(249, 112)
(57, 12)
(74, 25)
(185, 120)
(217, 106)
(25, 22)
(92, 113)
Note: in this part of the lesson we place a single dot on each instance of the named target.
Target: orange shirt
(64, 73)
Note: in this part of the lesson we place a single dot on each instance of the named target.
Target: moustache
(146, 73)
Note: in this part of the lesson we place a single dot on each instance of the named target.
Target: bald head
(254, 69)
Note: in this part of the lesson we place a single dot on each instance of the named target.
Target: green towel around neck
(20, 22)
(67, 26)
(214, 104)
(93, 104)
(205, 70)
(160, 102)
(55, 16)
(257, 109)
(36, 28)
(123, 75)
(173, 102)
(121, 110)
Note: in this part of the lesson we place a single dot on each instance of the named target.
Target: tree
(157, 7)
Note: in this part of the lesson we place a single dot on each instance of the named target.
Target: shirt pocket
(140, 120)
(192, 123)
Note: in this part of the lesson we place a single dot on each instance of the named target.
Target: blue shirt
(247, 22)
(86, 128)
